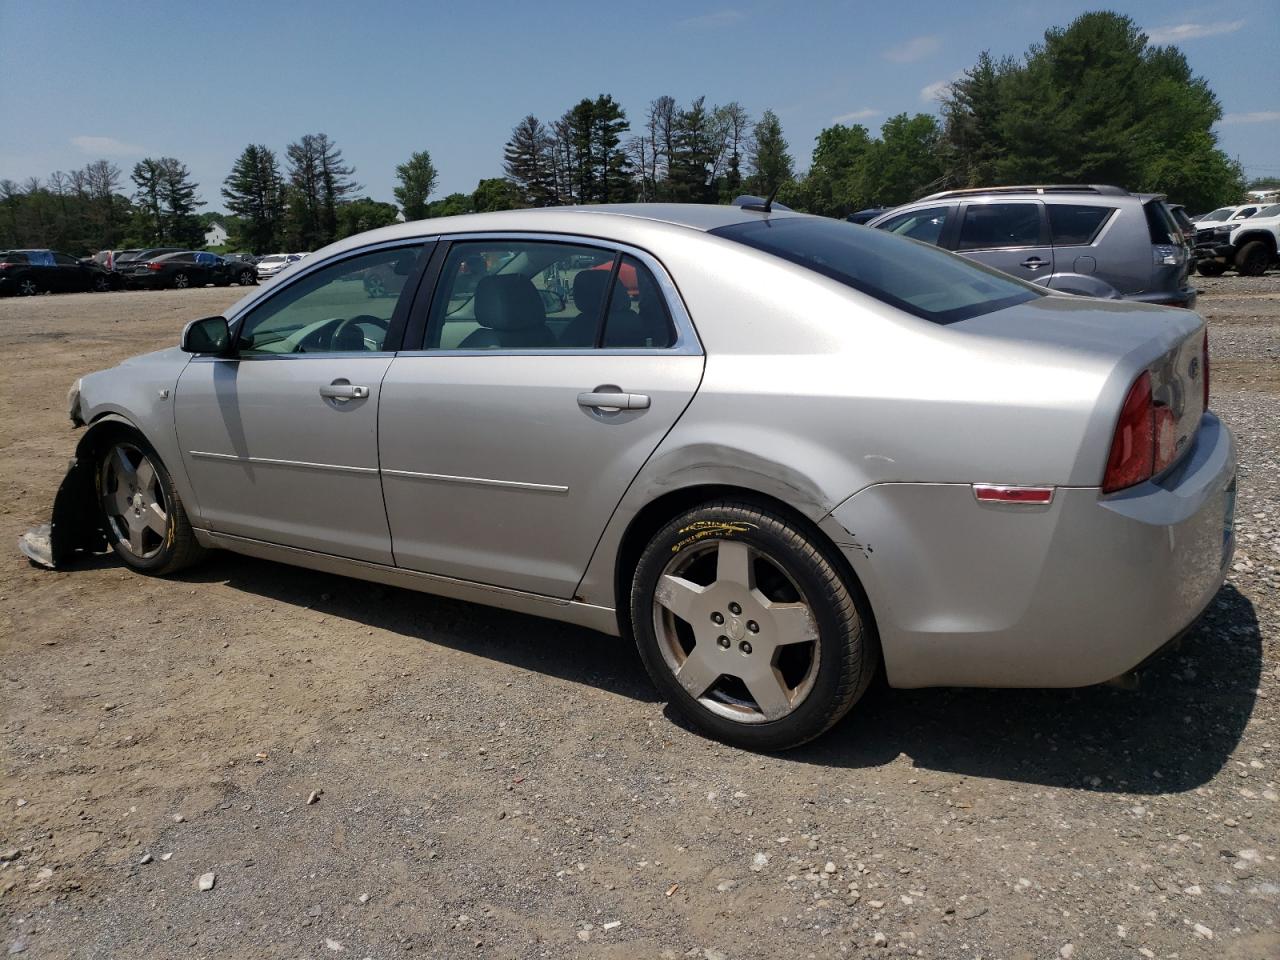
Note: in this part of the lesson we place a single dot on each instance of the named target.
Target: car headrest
(508, 302)
(589, 287)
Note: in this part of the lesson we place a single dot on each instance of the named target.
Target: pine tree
(147, 175)
(771, 164)
(691, 174)
(528, 164)
(254, 192)
(417, 177)
(319, 182)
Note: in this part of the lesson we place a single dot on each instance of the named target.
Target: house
(215, 235)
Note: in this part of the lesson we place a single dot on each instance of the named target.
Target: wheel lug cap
(744, 646)
(723, 641)
(735, 609)
(753, 626)
(717, 617)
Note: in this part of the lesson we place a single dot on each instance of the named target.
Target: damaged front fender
(76, 524)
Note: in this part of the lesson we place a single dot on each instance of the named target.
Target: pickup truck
(1250, 246)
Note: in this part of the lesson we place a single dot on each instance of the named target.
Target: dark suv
(1097, 241)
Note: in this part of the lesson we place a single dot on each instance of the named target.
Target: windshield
(272, 260)
(1271, 211)
(1220, 214)
(912, 276)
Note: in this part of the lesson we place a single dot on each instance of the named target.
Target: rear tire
(1211, 268)
(749, 627)
(180, 281)
(142, 514)
(1253, 259)
(28, 287)
(246, 278)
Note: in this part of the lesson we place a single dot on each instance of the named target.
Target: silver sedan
(780, 452)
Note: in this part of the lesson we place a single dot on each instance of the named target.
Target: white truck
(1249, 245)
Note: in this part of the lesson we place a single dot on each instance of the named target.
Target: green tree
(691, 167)
(254, 192)
(527, 162)
(771, 163)
(836, 183)
(148, 177)
(971, 111)
(455, 204)
(904, 163)
(357, 216)
(495, 193)
(178, 197)
(318, 182)
(417, 178)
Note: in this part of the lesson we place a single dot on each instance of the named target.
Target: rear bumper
(1065, 595)
(1185, 297)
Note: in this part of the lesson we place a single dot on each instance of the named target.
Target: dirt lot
(499, 786)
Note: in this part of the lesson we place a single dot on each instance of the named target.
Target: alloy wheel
(133, 502)
(27, 287)
(180, 281)
(736, 631)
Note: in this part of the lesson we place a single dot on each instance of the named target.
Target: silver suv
(1098, 241)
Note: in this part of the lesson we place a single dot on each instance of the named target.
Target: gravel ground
(364, 772)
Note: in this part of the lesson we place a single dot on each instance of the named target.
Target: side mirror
(210, 335)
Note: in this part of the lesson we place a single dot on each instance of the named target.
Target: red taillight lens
(155, 266)
(1132, 458)
(1205, 363)
(5, 266)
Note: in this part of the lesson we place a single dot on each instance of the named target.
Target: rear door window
(1073, 224)
(990, 226)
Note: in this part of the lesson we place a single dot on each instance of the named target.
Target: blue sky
(385, 78)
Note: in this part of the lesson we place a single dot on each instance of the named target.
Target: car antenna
(768, 204)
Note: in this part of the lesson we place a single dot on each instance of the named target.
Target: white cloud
(917, 48)
(936, 90)
(106, 146)
(721, 18)
(862, 114)
(1258, 116)
(1177, 32)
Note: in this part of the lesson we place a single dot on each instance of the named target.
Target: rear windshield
(13, 258)
(1159, 222)
(912, 276)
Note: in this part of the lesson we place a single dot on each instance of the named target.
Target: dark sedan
(28, 272)
(187, 268)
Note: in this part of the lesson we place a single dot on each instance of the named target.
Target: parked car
(1248, 245)
(806, 451)
(27, 272)
(268, 267)
(867, 215)
(1224, 215)
(244, 258)
(1098, 241)
(186, 268)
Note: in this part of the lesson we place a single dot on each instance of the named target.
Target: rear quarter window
(1073, 224)
(914, 277)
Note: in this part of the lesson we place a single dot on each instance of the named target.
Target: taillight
(5, 266)
(1132, 458)
(1204, 357)
(155, 266)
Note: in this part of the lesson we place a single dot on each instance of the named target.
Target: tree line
(1095, 102)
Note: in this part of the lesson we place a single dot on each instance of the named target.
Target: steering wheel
(360, 318)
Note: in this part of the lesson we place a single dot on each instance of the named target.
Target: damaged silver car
(780, 452)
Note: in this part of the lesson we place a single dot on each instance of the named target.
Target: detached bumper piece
(74, 528)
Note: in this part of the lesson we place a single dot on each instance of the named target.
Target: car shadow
(557, 649)
(1172, 734)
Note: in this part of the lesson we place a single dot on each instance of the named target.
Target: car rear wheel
(1253, 259)
(246, 278)
(101, 283)
(1211, 268)
(28, 287)
(748, 626)
(142, 515)
(181, 281)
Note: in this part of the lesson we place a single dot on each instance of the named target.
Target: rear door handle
(1034, 263)
(341, 390)
(614, 401)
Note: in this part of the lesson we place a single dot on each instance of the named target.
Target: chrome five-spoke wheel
(134, 502)
(735, 631)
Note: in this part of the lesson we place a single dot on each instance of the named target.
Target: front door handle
(613, 401)
(342, 390)
(1034, 263)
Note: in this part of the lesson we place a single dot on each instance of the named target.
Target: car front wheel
(1210, 268)
(28, 287)
(181, 281)
(142, 515)
(1253, 259)
(748, 626)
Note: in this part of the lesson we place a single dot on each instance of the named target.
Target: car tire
(1210, 268)
(180, 281)
(1253, 259)
(750, 627)
(27, 287)
(101, 283)
(246, 278)
(142, 515)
